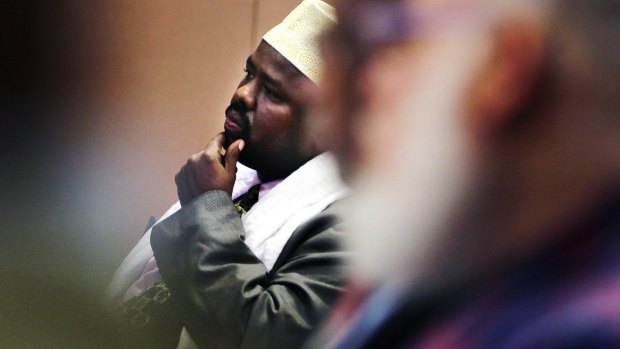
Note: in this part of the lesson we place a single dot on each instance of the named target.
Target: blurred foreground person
(49, 291)
(250, 257)
(484, 140)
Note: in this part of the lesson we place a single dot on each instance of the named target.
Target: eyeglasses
(366, 26)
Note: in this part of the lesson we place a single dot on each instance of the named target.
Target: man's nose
(246, 94)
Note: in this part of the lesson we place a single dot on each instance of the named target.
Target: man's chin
(230, 138)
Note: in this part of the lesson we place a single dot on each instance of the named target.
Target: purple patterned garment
(569, 297)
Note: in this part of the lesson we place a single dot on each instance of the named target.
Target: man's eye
(271, 94)
(248, 74)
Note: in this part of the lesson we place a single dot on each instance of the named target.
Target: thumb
(232, 154)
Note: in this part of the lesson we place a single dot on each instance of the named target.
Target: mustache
(240, 109)
(238, 113)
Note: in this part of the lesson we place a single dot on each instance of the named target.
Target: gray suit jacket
(223, 293)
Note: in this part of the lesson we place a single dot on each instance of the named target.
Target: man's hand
(214, 168)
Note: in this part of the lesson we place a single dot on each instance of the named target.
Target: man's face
(268, 111)
(410, 148)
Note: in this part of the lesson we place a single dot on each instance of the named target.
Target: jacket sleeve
(224, 294)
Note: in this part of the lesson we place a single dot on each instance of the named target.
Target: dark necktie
(245, 202)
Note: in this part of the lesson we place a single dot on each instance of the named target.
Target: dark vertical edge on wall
(254, 27)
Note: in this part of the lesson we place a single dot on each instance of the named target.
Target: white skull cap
(297, 37)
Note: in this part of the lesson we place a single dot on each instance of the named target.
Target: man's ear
(507, 80)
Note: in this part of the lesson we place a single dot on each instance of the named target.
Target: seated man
(251, 258)
(484, 139)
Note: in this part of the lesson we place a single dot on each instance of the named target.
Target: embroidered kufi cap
(297, 37)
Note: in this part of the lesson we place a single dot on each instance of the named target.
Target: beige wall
(168, 72)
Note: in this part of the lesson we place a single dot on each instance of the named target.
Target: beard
(406, 203)
(400, 219)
